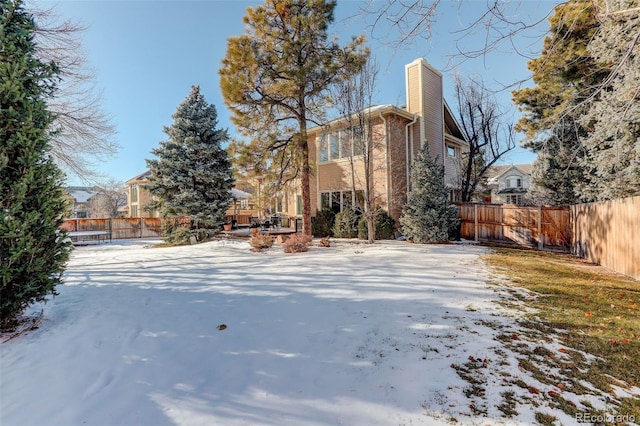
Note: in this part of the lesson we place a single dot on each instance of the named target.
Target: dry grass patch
(591, 311)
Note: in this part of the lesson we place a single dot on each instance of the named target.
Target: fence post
(475, 218)
(540, 242)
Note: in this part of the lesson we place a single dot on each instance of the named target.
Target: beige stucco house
(397, 135)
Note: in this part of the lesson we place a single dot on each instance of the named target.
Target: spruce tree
(33, 250)
(191, 176)
(428, 217)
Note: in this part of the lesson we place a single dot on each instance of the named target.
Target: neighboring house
(138, 196)
(398, 135)
(93, 202)
(79, 197)
(509, 184)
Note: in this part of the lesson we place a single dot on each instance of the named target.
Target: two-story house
(396, 135)
(138, 196)
(509, 184)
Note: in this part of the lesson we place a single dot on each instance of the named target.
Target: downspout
(406, 141)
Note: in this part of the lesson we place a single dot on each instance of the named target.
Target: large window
(340, 200)
(134, 193)
(340, 144)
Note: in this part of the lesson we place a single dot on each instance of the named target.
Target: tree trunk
(305, 177)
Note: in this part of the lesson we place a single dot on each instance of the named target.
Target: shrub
(322, 223)
(384, 226)
(297, 243)
(260, 241)
(346, 224)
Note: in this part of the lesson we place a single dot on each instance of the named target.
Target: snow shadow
(216, 334)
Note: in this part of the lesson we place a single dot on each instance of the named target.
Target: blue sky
(148, 54)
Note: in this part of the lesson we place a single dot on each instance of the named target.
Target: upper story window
(340, 144)
(134, 193)
(451, 150)
(514, 182)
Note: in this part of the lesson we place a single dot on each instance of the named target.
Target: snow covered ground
(215, 334)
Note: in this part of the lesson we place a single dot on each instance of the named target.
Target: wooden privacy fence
(132, 227)
(541, 227)
(608, 234)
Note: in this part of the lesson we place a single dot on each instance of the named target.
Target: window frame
(339, 145)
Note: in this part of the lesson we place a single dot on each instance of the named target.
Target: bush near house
(322, 223)
(297, 243)
(346, 224)
(384, 226)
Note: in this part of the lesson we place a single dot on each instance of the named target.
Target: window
(134, 193)
(451, 150)
(322, 147)
(134, 211)
(358, 144)
(279, 205)
(340, 200)
(514, 182)
(298, 205)
(334, 146)
(339, 144)
(514, 199)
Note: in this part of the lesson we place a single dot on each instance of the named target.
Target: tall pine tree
(428, 216)
(191, 176)
(33, 251)
(275, 80)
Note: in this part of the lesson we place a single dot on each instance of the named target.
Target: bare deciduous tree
(108, 199)
(82, 133)
(353, 96)
(487, 130)
(496, 24)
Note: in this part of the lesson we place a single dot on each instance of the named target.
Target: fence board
(608, 234)
(120, 228)
(542, 227)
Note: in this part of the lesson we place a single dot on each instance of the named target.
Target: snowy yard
(352, 334)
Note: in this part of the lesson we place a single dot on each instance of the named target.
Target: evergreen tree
(275, 79)
(612, 143)
(564, 76)
(192, 176)
(33, 250)
(583, 115)
(428, 217)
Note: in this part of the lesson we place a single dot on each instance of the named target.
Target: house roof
(452, 125)
(375, 109)
(512, 191)
(495, 172)
(239, 195)
(235, 193)
(142, 176)
(81, 194)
